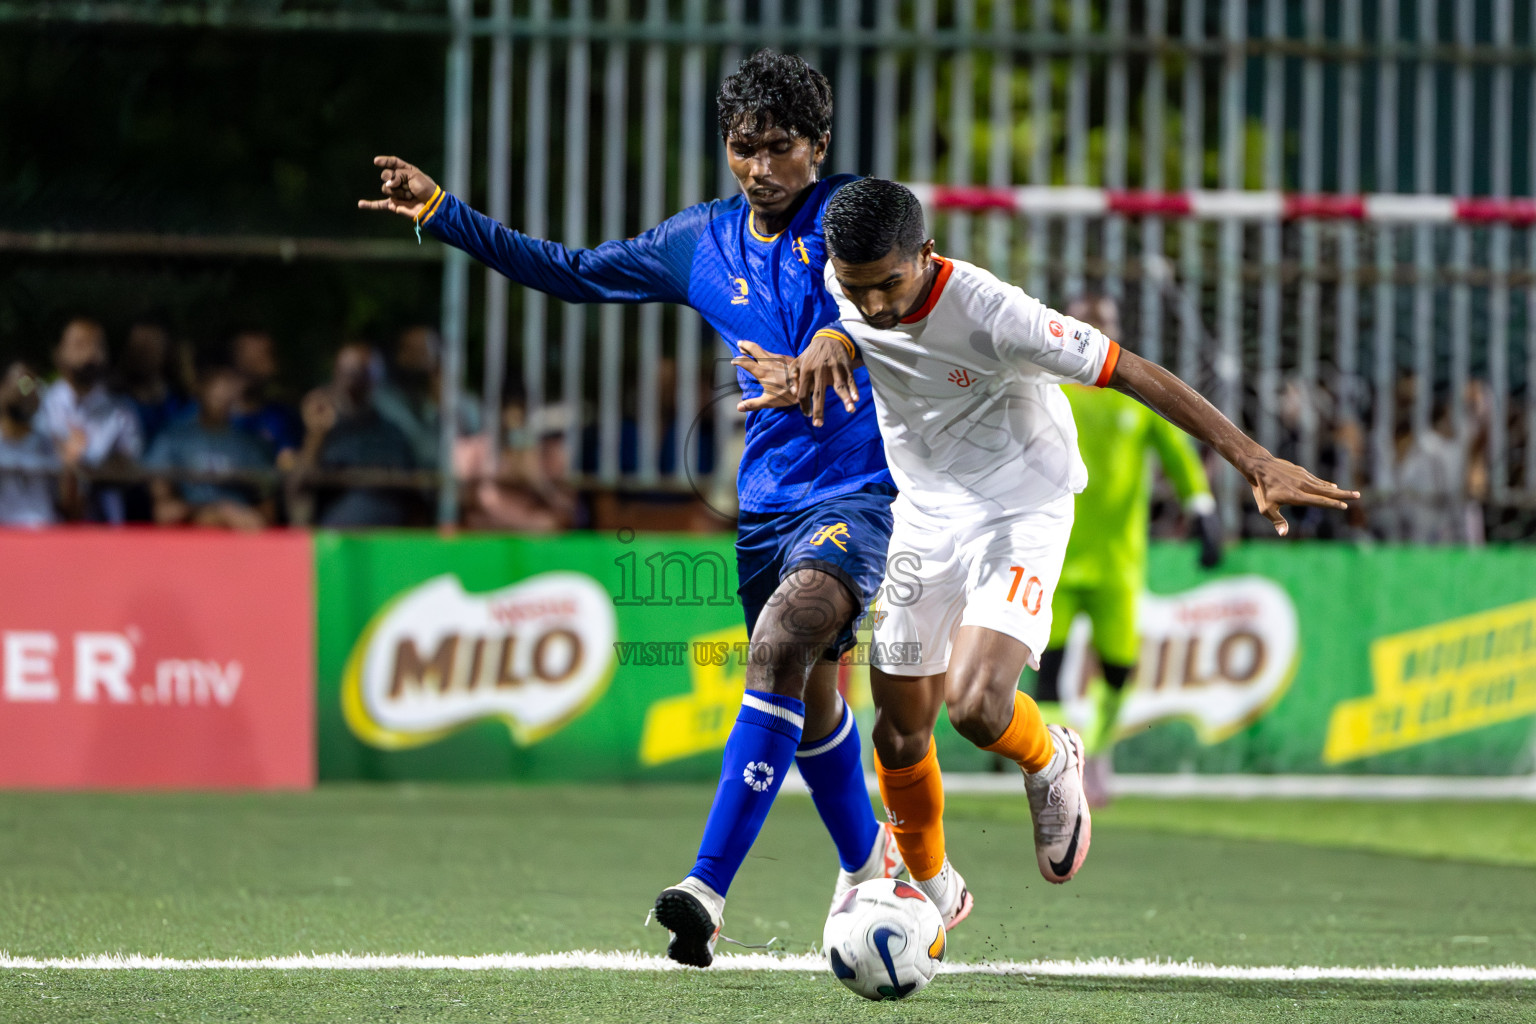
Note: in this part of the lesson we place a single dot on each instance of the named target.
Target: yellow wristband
(853, 353)
(430, 205)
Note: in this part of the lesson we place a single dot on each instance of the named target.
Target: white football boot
(884, 861)
(692, 912)
(948, 892)
(1059, 807)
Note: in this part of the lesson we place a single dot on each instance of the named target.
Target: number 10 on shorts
(1034, 590)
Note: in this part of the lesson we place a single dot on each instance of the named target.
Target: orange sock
(914, 801)
(1026, 740)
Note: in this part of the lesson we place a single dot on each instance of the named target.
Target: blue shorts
(845, 537)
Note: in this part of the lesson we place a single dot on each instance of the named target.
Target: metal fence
(1310, 332)
(1337, 341)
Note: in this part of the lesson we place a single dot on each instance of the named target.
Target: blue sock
(833, 769)
(757, 755)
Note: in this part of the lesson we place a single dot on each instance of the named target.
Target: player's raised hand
(774, 372)
(826, 363)
(405, 187)
(1277, 482)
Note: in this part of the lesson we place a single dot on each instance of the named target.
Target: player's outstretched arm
(1275, 482)
(652, 267)
(406, 189)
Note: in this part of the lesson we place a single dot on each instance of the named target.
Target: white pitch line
(1102, 967)
(1250, 787)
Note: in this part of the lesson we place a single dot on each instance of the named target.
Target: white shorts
(941, 574)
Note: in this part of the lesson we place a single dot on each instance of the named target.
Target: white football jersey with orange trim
(966, 391)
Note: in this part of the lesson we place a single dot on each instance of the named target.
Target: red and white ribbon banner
(1233, 204)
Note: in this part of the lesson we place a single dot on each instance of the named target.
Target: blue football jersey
(767, 289)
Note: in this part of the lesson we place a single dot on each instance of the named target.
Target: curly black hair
(775, 88)
(866, 219)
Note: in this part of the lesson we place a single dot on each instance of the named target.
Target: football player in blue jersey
(815, 500)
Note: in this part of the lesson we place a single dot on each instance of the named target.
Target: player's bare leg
(986, 707)
(906, 708)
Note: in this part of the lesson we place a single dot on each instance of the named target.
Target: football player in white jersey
(965, 370)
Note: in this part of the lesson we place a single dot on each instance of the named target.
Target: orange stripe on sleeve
(1111, 360)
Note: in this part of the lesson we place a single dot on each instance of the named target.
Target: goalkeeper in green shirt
(1105, 571)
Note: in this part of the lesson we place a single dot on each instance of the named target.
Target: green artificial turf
(465, 870)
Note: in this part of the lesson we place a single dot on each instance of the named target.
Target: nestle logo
(508, 613)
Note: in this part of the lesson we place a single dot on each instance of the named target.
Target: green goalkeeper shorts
(1111, 607)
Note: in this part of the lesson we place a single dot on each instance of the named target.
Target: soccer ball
(884, 939)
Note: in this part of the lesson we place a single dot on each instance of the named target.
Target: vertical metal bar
(1000, 137)
(456, 152)
(771, 19)
(1461, 235)
(1193, 161)
(1502, 121)
(536, 218)
(810, 29)
(1424, 234)
(1269, 234)
(887, 89)
(1153, 136)
(1309, 313)
(730, 56)
(924, 85)
(690, 186)
(653, 197)
(574, 321)
(1074, 247)
(847, 105)
(962, 109)
(610, 367)
(1115, 117)
(1230, 295)
(1347, 322)
(1530, 307)
(1383, 441)
(1042, 149)
(498, 205)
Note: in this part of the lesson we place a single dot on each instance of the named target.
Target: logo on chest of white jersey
(962, 378)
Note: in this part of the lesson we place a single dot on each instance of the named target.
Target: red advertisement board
(142, 659)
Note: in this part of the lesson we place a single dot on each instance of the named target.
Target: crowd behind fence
(162, 434)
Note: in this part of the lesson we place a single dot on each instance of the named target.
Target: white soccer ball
(884, 939)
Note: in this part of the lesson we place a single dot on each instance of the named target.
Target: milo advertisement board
(482, 657)
(598, 657)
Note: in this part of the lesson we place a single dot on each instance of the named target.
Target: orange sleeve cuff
(1111, 360)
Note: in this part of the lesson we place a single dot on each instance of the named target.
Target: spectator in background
(412, 393)
(148, 378)
(1429, 492)
(37, 480)
(274, 423)
(344, 431)
(526, 490)
(208, 444)
(78, 411)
